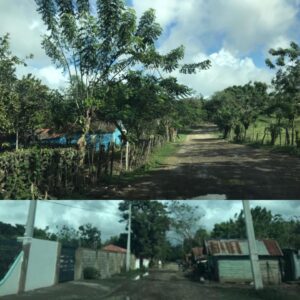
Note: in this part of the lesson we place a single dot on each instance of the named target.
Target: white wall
(41, 264)
(146, 262)
(10, 283)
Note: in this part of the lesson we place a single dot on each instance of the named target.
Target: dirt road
(174, 285)
(166, 284)
(206, 166)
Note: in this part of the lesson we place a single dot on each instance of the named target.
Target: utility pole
(253, 253)
(28, 235)
(30, 220)
(128, 240)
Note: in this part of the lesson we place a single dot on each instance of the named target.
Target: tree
(8, 78)
(96, 51)
(266, 225)
(23, 102)
(237, 107)
(89, 236)
(28, 109)
(67, 235)
(184, 221)
(149, 225)
(286, 84)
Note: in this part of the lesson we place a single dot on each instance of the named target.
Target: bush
(48, 170)
(90, 273)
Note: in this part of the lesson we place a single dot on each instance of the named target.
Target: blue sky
(235, 35)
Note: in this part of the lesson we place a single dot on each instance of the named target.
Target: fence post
(127, 156)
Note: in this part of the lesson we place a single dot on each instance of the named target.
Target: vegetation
(253, 113)
(99, 53)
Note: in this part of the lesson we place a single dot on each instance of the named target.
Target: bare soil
(167, 283)
(208, 167)
(170, 283)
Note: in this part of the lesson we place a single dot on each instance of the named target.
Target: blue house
(47, 137)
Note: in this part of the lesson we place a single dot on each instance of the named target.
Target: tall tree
(98, 49)
(90, 236)
(286, 83)
(149, 225)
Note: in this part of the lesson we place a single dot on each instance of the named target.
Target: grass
(155, 160)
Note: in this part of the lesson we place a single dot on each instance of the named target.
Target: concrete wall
(296, 259)
(240, 271)
(107, 263)
(10, 283)
(42, 264)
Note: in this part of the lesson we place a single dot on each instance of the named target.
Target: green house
(229, 260)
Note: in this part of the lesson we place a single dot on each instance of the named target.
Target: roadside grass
(155, 160)
(256, 132)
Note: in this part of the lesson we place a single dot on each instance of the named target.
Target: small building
(291, 264)
(229, 260)
(102, 136)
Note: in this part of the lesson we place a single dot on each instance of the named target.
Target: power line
(92, 209)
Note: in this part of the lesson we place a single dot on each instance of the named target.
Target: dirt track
(206, 167)
(166, 284)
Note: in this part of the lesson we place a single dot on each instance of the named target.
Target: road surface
(166, 284)
(208, 167)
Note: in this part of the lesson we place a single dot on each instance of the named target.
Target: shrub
(90, 273)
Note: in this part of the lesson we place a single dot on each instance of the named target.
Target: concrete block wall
(107, 263)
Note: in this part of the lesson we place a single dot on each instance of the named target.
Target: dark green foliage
(236, 107)
(90, 236)
(49, 170)
(90, 273)
(149, 226)
(266, 225)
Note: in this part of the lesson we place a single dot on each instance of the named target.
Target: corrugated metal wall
(240, 271)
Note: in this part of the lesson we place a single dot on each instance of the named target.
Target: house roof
(232, 247)
(47, 133)
(114, 248)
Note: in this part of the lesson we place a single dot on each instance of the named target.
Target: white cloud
(226, 70)
(52, 76)
(234, 29)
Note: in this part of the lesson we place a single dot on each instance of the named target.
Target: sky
(104, 214)
(235, 35)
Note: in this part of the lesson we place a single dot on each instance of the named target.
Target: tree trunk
(287, 136)
(17, 140)
(297, 139)
(293, 132)
(82, 141)
(112, 154)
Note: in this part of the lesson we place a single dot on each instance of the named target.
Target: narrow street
(209, 167)
(166, 284)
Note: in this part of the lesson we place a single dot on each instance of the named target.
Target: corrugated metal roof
(240, 247)
(113, 248)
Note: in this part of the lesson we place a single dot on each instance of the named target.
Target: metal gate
(66, 264)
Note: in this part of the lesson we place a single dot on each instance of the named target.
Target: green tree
(8, 79)
(98, 50)
(89, 236)
(149, 225)
(286, 85)
(67, 235)
(184, 222)
(266, 225)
